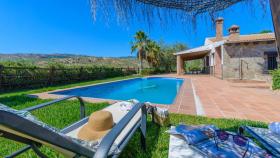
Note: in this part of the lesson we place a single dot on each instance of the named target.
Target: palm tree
(140, 45)
(153, 54)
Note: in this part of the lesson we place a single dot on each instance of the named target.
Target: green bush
(19, 77)
(194, 65)
(152, 71)
(147, 72)
(276, 79)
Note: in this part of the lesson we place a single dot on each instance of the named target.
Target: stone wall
(246, 60)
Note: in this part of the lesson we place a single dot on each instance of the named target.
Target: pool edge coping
(48, 95)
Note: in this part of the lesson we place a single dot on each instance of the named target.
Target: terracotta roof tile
(247, 38)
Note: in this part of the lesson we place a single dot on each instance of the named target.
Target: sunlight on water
(152, 89)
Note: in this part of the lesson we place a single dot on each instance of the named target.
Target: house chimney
(219, 29)
(234, 32)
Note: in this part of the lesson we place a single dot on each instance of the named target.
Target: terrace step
(245, 81)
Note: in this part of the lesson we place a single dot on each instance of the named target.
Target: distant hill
(43, 60)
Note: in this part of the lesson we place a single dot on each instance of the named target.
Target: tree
(168, 59)
(140, 45)
(153, 54)
(194, 65)
(266, 31)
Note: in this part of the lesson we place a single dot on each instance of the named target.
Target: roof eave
(260, 40)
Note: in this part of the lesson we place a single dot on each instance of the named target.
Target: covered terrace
(206, 52)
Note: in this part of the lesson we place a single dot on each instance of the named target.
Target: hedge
(276, 79)
(33, 77)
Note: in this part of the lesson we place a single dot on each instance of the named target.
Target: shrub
(276, 79)
(19, 77)
(147, 72)
(152, 71)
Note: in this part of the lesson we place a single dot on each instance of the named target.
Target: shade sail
(125, 9)
(196, 6)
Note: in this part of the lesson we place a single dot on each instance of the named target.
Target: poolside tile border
(184, 101)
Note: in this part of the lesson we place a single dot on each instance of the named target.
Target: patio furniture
(21, 126)
(179, 148)
(209, 141)
(268, 139)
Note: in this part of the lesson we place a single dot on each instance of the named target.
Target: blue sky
(66, 26)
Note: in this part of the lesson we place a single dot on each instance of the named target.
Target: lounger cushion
(91, 145)
(230, 149)
(213, 147)
(179, 148)
(27, 115)
(118, 113)
(194, 134)
(274, 127)
(210, 149)
(267, 136)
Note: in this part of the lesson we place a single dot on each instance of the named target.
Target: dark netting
(197, 6)
(166, 11)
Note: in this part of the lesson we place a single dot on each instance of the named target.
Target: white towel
(274, 127)
(128, 105)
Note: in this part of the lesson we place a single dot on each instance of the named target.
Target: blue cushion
(230, 149)
(195, 134)
(211, 150)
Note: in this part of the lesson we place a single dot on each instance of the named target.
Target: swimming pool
(159, 90)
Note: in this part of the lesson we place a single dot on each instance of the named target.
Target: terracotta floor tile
(221, 98)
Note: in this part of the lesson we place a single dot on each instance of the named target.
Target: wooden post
(275, 12)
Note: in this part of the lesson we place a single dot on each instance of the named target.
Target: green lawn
(65, 113)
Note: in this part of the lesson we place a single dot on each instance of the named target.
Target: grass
(67, 112)
(58, 115)
(63, 114)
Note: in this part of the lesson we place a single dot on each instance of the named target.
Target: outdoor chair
(21, 126)
(203, 141)
(268, 139)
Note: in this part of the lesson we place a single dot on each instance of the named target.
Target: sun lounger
(206, 141)
(264, 136)
(179, 148)
(21, 126)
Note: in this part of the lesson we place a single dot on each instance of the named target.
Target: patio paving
(213, 97)
(224, 99)
(184, 103)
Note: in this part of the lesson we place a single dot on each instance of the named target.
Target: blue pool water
(153, 89)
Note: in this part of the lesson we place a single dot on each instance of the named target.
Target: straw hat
(99, 124)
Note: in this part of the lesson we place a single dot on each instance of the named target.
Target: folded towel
(128, 105)
(274, 127)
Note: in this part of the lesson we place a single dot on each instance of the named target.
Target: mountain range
(43, 60)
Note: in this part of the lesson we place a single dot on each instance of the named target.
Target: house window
(271, 60)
